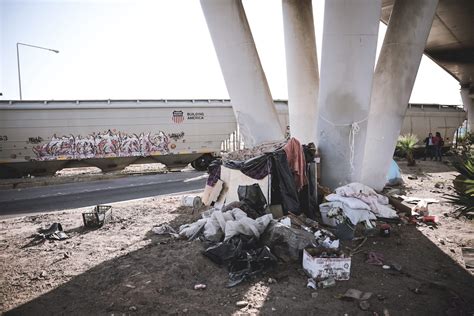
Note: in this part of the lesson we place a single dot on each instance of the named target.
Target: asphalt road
(81, 194)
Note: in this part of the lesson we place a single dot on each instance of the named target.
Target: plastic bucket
(192, 200)
(345, 231)
(324, 209)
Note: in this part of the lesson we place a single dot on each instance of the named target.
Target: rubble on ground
(242, 231)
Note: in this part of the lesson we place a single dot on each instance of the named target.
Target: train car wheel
(202, 163)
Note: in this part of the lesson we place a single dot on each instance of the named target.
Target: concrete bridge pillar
(347, 65)
(301, 68)
(395, 74)
(243, 74)
(468, 103)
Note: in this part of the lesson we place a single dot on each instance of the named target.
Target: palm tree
(464, 187)
(406, 145)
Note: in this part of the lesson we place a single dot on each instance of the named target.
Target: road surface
(81, 194)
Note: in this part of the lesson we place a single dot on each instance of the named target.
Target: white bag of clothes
(351, 202)
(377, 203)
(247, 226)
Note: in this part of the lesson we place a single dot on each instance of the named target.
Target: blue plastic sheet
(394, 175)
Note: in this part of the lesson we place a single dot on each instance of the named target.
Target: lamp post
(18, 59)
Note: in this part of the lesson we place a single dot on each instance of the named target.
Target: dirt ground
(124, 269)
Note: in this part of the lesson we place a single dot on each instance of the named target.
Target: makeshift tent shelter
(284, 171)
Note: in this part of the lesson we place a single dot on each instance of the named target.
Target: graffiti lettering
(106, 144)
(34, 140)
(176, 136)
(3, 138)
(196, 116)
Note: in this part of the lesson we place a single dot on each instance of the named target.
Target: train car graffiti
(102, 145)
(176, 136)
(34, 140)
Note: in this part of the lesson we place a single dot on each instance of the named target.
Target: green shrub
(406, 146)
(464, 187)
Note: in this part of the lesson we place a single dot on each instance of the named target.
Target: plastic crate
(98, 217)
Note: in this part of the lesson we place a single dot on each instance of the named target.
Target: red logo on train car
(178, 117)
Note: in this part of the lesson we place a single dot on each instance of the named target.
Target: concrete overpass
(450, 44)
(352, 112)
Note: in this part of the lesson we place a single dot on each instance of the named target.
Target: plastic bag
(253, 196)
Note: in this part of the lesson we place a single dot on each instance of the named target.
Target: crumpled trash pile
(216, 224)
(268, 222)
(246, 239)
(248, 246)
(234, 241)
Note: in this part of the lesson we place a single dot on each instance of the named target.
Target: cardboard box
(321, 268)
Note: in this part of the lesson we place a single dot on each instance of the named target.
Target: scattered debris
(421, 208)
(321, 263)
(415, 200)
(54, 232)
(381, 297)
(329, 282)
(416, 290)
(385, 230)
(271, 281)
(285, 221)
(431, 219)
(165, 229)
(374, 258)
(311, 284)
(396, 267)
(200, 286)
(357, 249)
(354, 294)
(468, 256)
(287, 243)
(439, 185)
(241, 304)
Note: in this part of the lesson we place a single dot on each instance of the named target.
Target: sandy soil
(124, 269)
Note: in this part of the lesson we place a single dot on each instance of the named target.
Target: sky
(144, 49)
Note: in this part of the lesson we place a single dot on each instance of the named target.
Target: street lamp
(18, 59)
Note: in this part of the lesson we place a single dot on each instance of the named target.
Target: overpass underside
(351, 111)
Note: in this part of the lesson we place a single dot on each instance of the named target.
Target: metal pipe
(18, 64)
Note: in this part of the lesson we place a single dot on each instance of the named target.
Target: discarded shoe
(374, 258)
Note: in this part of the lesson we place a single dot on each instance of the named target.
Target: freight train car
(422, 119)
(41, 137)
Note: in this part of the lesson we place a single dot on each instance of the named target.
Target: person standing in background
(429, 146)
(438, 144)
